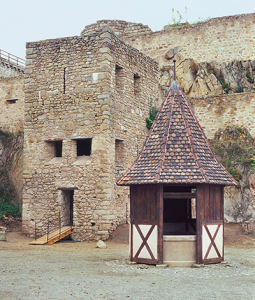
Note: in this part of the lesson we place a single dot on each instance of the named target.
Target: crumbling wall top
(119, 27)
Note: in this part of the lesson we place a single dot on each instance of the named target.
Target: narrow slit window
(64, 83)
(11, 101)
(137, 84)
(58, 148)
(119, 157)
(84, 147)
(119, 78)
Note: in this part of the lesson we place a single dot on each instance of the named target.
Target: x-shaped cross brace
(144, 239)
(212, 241)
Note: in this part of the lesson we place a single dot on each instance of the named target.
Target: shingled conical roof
(176, 151)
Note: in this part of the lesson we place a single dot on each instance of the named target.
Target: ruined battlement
(120, 28)
(223, 39)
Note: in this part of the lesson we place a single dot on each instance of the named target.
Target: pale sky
(24, 21)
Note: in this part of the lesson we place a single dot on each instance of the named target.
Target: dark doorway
(67, 207)
(178, 215)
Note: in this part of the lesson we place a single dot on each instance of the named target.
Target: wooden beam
(179, 195)
(160, 223)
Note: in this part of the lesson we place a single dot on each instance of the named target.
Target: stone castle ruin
(83, 100)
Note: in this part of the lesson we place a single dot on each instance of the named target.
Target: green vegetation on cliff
(7, 191)
(152, 114)
(236, 148)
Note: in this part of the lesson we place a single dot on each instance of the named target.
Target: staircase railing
(15, 60)
(52, 223)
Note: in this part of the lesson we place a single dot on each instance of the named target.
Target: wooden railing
(12, 59)
(54, 221)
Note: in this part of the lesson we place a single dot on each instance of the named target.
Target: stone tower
(86, 100)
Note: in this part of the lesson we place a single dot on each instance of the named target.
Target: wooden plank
(213, 260)
(154, 203)
(222, 215)
(59, 237)
(145, 222)
(200, 215)
(222, 204)
(52, 236)
(206, 202)
(212, 222)
(217, 203)
(168, 195)
(160, 208)
(146, 261)
(211, 203)
(132, 198)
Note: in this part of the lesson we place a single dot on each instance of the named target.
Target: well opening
(179, 214)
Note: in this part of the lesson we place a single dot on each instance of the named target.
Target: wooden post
(160, 223)
(199, 210)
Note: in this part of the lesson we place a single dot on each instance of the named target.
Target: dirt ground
(78, 270)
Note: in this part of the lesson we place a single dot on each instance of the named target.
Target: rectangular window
(11, 101)
(137, 84)
(119, 157)
(84, 147)
(52, 149)
(57, 148)
(119, 78)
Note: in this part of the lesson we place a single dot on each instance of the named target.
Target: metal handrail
(51, 223)
(13, 59)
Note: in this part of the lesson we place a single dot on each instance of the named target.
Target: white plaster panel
(136, 240)
(144, 253)
(219, 240)
(206, 241)
(153, 242)
(145, 229)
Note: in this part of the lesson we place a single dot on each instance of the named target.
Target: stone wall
(120, 28)
(12, 104)
(222, 39)
(92, 88)
(215, 112)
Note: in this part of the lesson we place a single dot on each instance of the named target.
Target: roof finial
(174, 70)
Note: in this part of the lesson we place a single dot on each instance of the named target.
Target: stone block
(29, 51)
(3, 235)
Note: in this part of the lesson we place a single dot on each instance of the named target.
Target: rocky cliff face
(235, 148)
(11, 166)
(207, 78)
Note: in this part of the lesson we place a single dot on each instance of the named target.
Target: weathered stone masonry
(12, 104)
(222, 39)
(92, 88)
(215, 112)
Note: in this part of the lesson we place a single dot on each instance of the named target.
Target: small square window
(52, 149)
(84, 147)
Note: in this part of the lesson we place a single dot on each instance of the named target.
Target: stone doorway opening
(66, 206)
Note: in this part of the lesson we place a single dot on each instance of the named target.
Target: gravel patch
(58, 273)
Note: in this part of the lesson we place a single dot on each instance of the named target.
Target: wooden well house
(176, 191)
